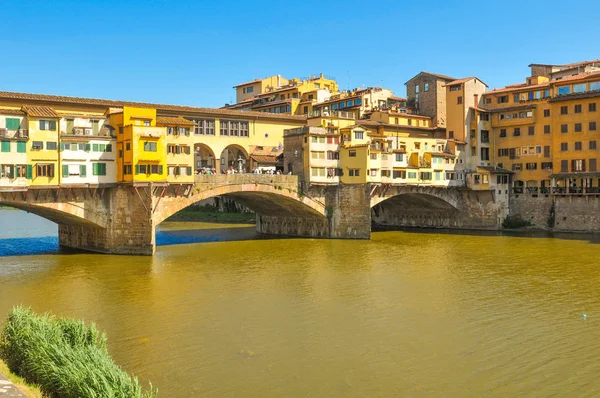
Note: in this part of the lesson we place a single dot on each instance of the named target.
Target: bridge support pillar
(130, 228)
(348, 216)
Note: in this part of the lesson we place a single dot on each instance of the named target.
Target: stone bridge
(121, 218)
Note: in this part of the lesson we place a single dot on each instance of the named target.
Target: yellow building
(141, 145)
(43, 149)
(544, 130)
(180, 142)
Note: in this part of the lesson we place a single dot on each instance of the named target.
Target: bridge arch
(262, 198)
(435, 198)
(230, 155)
(204, 156)
(61, 213)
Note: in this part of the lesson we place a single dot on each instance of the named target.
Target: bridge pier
(130, 228)
(348, 215)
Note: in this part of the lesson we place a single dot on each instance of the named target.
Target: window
(517, 166)
(350, 103)
(578, 146)
(592, 145)
(425, 175)
(399, 157)
(317, 171)
(593, 166)
(45, 170)
(373, 156)
(564, 166)
(546, 165)
(354, 172)
(234, 128)
(564, 110)
(473, 151)
(594, 86)
(531, 130)
(517, 132)
(317, 154)
(516, 98)
(485, 153)
(331, 155)
(37, 145)
(580, 88)
(148, 146)
(13, 123)
(547, 129)
(531, 166)
(592, 126)
(485, 136)
(546, 112)
(51, 146)
(488, 100)
(592, 107)
(147, 123)
(564, 146)
(358, 135)
(250, 89)
(578, 108)
(459, 100)
(564, 90)
(577, 127)
(502, 132)
(547, 151)
(21, 147)
(485, 117)
(578, 165)
(416, 88)
(501, 100)
(127, 146)
(47, 125)
(426, 88)
(99, 169)
(352, 153)
(451, 134)
(564, 128)
(358, 101)
(502, 152)
(204, 127)
(456, 87)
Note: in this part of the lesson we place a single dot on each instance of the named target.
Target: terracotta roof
(397, 98)
(478, 109)
(512, 108)
(6, 111)
(250, 82)
(160, 107)
(569, 97)
(517, 87)
(569, 65)
(442, 154)
(178, 121)
(443, 77)
(39, 111)
(576, 77)
(496, 169)
(264, 158)
(464, 80)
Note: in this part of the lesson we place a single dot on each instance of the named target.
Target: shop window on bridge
(502, 179)
(99, 169)
(354, 172)
(148, 146)
(47, 125)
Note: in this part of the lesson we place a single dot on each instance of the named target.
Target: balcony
(87, 131)
(14, 134)
(336, 114)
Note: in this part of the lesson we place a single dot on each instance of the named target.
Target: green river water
(220, 312)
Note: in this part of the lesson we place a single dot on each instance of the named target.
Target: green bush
(65, 357)
(512, 222)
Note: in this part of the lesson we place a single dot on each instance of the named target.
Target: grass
(64, 357)
(210, 214)
(31, 390)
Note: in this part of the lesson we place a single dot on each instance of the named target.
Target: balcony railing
(87, 131)
(338, 114)
(14, 134)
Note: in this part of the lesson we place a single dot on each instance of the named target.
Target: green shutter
(82, 170)
(103, 169)
(95, 127)
(65, 170)
(189, 171)
(29, 171)
(12, 123)
(95, 147)
(42, 124)
(5, 146)
(95, 169)
(87, 147)
(21, 147)
(52, 125)
(108, 147)
(160, 169)
(62, 146)
(137, 169)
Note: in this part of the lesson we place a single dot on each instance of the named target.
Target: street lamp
(240, 161)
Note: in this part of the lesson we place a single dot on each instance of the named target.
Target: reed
(65, 357)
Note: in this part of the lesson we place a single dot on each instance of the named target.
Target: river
(225, 314)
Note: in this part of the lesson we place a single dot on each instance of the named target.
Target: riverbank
(30, 390)
(203, 214)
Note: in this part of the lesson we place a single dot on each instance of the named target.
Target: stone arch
(261, 198)
(61, 213)
(425, 197)
(231, 153)
(204, 156)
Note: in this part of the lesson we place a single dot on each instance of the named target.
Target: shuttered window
(82, 170)
(12, 123)
(99, 169)
(5, 146)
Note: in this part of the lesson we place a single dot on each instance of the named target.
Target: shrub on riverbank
(65, 357)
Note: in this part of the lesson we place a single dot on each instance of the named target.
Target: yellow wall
(43, 156)
(358, 162)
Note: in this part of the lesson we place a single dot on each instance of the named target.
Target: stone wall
(567, 213)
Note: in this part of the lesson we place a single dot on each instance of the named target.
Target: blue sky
(193, 52)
